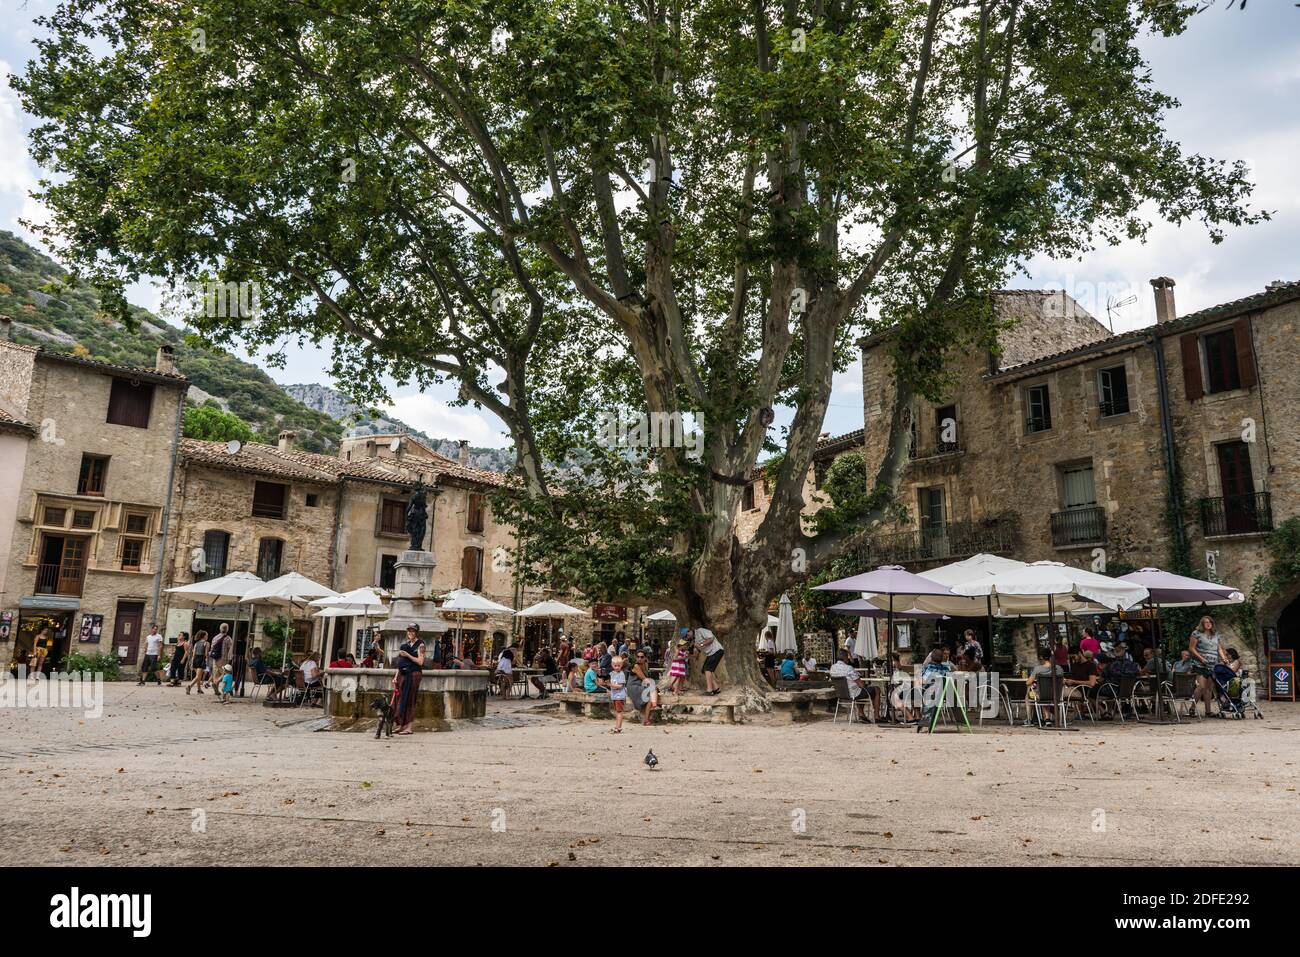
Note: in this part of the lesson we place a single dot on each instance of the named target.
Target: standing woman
(199, 658)
(1207, 653)
(176, 669)
(410, 662)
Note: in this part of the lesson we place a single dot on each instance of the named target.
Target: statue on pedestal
(417, 518)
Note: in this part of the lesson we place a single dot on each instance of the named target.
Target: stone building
(340, 521)
(1072, 444)
(88, 451)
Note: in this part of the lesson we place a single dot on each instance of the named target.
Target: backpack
(218, 646)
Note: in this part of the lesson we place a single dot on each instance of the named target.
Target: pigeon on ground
(650, 760)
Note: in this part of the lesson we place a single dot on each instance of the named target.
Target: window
(132, 553)
(268, 500)
(388, 572)
(312, 500)
(93, 470)
(129, 402)
(56, 516)
(1082, 521)
(1222, 371)
(471, 568)
(392, 516)
(748, 496)
(933, 517)
(474, 522)
(216, 546)
(137, 524)
(83, 519)
(269, 553)
(1112, 391)
(1080, 492)
(1038, 409)
(820, 467)
(945, 429)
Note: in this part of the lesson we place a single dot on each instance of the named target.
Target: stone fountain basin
(443, 698)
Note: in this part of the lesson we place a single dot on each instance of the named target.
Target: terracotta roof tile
(11, 423)
(252, 458)
(148, 375)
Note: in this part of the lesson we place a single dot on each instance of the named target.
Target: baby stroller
(1228, 688)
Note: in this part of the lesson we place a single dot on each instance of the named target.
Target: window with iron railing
(1038, 409)
(269, 499)
(1244, 514)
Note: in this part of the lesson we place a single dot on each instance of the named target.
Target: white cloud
(440, 421)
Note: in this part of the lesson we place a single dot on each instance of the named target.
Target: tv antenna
(1113, 306)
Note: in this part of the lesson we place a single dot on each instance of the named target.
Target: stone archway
(1282, 611)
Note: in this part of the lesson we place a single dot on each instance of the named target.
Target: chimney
(166, 361)
(462, 454)
(1165, 311)
(286, 440)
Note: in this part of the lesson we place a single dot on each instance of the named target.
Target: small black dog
(385, 708)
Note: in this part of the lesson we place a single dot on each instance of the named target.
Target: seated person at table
(901, 682)
(591, 680)
(1184, 665)
(857, 685)
(550, 672)
(968, 662)
(788, 671)
(1084, 671)
(810, 663)
(1153, 664)
(505, 676)
(1044, 669)
(341, 661)
(310, 671)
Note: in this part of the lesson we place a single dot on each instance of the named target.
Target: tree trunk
(734, 607)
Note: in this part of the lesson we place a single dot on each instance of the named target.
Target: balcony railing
(59, 580)
(936, 450)
(1237, 514)
(1037, 423)
(1114, 407)
(939, 543)
(1079, 526)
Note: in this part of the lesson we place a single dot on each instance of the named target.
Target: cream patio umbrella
(364, 602)
(464, 599)
(549, 610)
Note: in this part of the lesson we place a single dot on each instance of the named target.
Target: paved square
(163, 778)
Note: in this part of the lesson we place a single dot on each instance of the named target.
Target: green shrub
(93, 663)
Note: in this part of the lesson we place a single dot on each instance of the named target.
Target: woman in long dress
(410, 662)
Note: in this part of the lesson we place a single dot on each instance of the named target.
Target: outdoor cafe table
(527, 673)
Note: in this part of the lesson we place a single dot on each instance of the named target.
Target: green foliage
(213, 425)
(846, 484)
(1283, 545)
(92, 663)
(382, 180)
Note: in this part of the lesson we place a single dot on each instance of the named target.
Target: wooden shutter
(469, 569)
(129, 403)
(1245, 353)
(1191, 349)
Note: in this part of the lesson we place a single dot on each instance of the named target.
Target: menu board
(1281, 675)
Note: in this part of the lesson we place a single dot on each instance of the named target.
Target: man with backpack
(221, 653)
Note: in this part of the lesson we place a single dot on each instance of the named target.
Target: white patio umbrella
(462, 600)
(364, 602)
(291, 590)
(550, 609)
(785, 627)
(666, 615)
(772, 622)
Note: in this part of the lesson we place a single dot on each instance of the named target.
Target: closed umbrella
(785, 627)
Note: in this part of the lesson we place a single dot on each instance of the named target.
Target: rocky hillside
(358, 421)
(49, 312)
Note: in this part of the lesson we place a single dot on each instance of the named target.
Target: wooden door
(126, 630)
(72, 566)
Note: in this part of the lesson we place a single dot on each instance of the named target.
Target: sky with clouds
(1236, 73)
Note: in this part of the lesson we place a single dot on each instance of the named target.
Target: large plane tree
(596, 214)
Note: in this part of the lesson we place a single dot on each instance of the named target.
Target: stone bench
(698, 707)
(802, 704)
